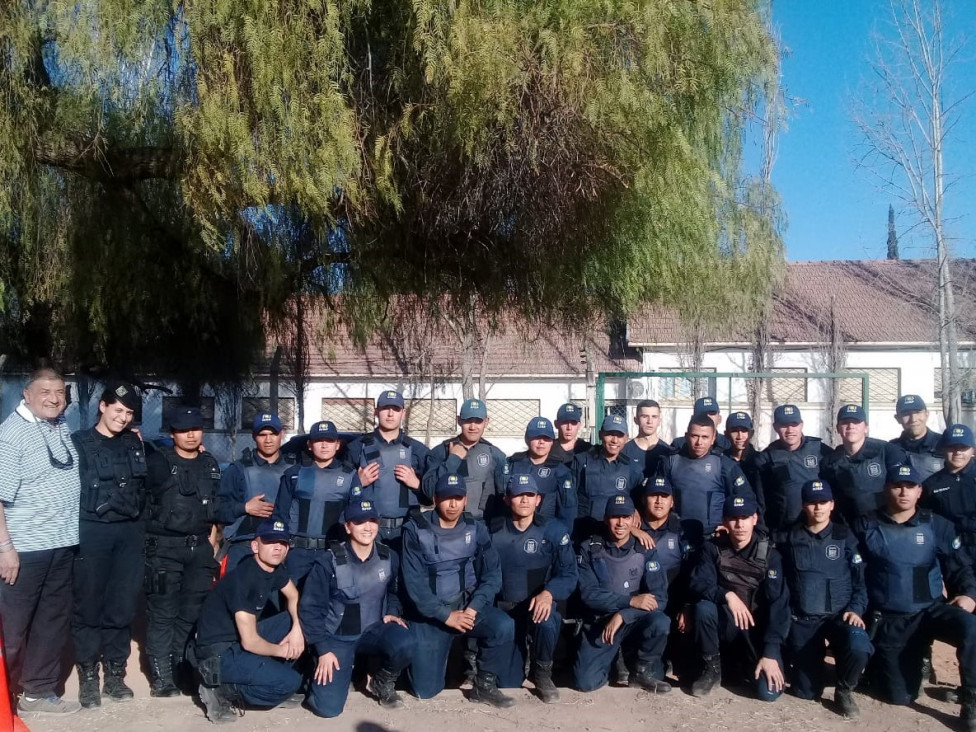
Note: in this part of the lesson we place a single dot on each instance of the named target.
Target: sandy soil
(607, 709)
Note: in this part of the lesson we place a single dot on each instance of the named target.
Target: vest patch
(919, 538)
(545, 472)
(874, 469)
(810, 461)
(483, 459)
(531, 546)
(621, 484)
(833, 551)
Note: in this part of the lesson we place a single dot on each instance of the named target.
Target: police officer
(707, 407)
(911, 554)
(482, 465)
(702, 479)
(392, 464)
(739, 431)
(182, 483)
(920, 444)
(452, 576)
(350, 607)
(538, 572)
(647, 447)
(951, 492)
(825, 576)
(311, 500)
(569, 419)
(552, 477)
(249, 487)
(624, 590)
(787, 463)
(856, 468)
(742, 600)
(601, 472)
(244, 655)
(108, 570)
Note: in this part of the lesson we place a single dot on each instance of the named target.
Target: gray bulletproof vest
(258, 479)
(449, 557)
(699, 489)
(392, 498)
(819, 572)
(480, 478)
(926, 464)
(359, 601)
(903, 574)
(620, 574)
(320, 496)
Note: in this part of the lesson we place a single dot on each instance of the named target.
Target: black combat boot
(844, 699)
(217, 704)
(161, 677)
(183, 676)
(646, 681)
(114, 687)
(621, 672)
(88, 695)
(382, 685)
(485, 691)
(710, 677)
(967, 713)
(542, 678)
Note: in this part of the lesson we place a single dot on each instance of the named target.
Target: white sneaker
(47, 705)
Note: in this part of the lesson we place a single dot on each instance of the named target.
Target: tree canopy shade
(174, 173)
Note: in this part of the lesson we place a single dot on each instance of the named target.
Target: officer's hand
(966, 603)
(642, 537)
(541, 607)
(259, 507)
(394, 619)
(293, 644)
(684, 620)
(459, 450)
(645, 601)
(328, 665)
(407, 475)
(459, 621)
(854, 619)
(470, 612)
(370, 474)
(774, 674)
(740, 613)
(136, 432)
(9, 566)
(615, 623)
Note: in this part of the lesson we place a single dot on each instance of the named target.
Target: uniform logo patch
(772, 574)
(833, 551)
(340, 480)
(356, 490)
(545, 472)
(919, 538)
(653, 566)
(381, 574)
(740, 481)
(483, 460)
(403, 453)
(626, 584)
(621, 484)
(467, 537)
(531, 546)
(874, 469)
(672, 543)
(856, 559)
(565, 540)
(708, 467)
(810, 461)
(956, 543)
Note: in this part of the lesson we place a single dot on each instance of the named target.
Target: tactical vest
(790, 470)
(320, 496)
(186, 504)
(699, 489)
(925, 463)
(392, 498)
(112, 481)
(479, 478)
(621, 574)
(449, 556)
(741, 574)
(861, 482)
(359, 600)
(526, 558)
(548, 479)
(258, 479)
(819, 572)
(903, 573)
(671, 550)
(598, 487)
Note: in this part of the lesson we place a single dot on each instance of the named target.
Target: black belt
(190, 541)
(308, 542)
(392, 523)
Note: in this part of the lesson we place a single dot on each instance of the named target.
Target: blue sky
(835, 211)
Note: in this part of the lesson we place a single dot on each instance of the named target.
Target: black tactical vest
(186, 505)
(112, 479)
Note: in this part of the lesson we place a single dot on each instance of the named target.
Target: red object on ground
(9, 722)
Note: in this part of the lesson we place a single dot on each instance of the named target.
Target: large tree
(563, 157)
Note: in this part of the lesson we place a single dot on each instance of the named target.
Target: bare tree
(905, 125)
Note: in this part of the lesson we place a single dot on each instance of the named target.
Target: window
(349, 415)
(509, 417)
(786, 390)
(616, 407)
(885, 386)
(175, 402)
(683, 388)
(968, 379)
(443, 422)
(250, 406)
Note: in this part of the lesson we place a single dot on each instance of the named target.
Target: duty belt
(308, 542)
(190, 541)
(394, 522)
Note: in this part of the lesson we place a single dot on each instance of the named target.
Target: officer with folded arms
(825, 576)
(569, 420)
(538, 573)
(551, 476)
(951, 492)
(921, 445)
(350, 609)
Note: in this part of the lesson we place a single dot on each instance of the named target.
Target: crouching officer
(910, 553)
(108, 571)
(825, 576)
(243, 660)
(743, 600)
(538, 572)
(350, 608)
(624, 590)
(180, 564)
(452, 575)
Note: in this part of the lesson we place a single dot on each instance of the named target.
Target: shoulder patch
(565, 540)
(856, 559)
(956, 542)
(653, 566)
(772, 574)
(740, 480)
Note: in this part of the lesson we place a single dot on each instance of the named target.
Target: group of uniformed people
(661, 555)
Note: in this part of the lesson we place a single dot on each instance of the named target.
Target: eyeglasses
(55, 462)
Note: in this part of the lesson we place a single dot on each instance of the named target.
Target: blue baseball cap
(473, 409)
(658, 486)
(389, 399)
(815, 491)
(323, 430)
(706, 405)
(614, 423)
(738, 421)
(271, 530)
(853, 412)
(619, 505)
(185, 418)
(359, 511)
(787, 414)
(958, 434)
(450, 485)
(569, 412)
(739, 506)
(908, 403)
(265, 421)
(519, 485)
(903, 474)
(539, 427)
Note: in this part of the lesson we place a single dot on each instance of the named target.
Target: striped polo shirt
(40, 500)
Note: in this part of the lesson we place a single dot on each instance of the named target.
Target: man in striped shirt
(39, 503)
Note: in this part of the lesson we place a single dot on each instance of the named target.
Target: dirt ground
(607, 709)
